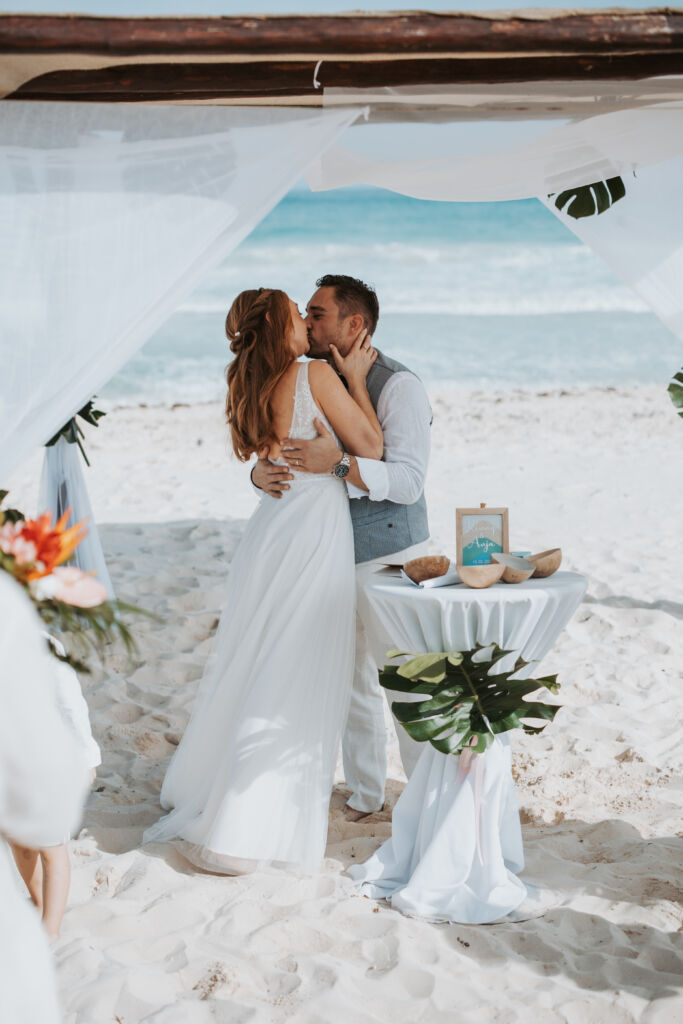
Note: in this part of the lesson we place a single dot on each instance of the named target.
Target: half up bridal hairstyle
(258, 327)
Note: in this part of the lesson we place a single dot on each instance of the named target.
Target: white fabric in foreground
(42, 786)
(74, 708)
(62, 486)
(446, 860)
(109, 215)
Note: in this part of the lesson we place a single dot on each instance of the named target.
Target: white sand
(146, 939)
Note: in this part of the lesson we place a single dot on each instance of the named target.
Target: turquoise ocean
(472, 295)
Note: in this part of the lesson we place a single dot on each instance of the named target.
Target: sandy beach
(146, 938)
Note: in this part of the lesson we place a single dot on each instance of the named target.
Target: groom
(388, 512)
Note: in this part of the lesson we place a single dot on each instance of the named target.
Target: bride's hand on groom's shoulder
(268, 477)
(355, 365)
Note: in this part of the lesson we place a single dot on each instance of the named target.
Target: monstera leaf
(588, 200)
(9, 515)
(72, 432)
(675, 390)
(469, 702)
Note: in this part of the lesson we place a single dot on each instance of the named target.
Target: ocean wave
(484, 305)
(469, 279)
(507, 254)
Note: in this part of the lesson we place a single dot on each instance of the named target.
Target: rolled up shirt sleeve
(405, 416)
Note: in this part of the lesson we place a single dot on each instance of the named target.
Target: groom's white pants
(364, 743)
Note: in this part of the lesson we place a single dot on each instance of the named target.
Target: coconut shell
(480, 576)
(546, 562)
(429, 567)
(515, 569)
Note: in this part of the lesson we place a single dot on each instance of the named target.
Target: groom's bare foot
(351, 814)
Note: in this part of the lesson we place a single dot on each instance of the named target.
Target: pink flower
(78, 588)
(12, 543)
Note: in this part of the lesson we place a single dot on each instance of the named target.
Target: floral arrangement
(468, 701)
(67, 599)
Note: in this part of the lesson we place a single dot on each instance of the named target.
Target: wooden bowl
(546, 562)
(515, 570)
(480, 576)
(429, 567)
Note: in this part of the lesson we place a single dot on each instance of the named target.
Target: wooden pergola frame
(292, 60)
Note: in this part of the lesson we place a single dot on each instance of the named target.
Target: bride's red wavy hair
(258, 327)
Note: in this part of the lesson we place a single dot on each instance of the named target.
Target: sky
(144, 8)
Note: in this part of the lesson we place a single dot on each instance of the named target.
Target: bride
(250, 782)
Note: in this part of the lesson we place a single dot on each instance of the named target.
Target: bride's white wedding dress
(251, 780)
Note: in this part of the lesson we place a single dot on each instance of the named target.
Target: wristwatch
(343, 466)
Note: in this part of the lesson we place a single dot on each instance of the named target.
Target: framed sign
(480, 533)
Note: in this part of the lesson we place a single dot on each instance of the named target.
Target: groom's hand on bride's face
(270, 478)
(316, 456)
(355, 365)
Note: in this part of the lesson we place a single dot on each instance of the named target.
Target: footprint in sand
(153, 744)
(296, 891)
(418, 983)
(290, 934)
(382, 955)
(368, 926)
(126, 714)
(280, 984)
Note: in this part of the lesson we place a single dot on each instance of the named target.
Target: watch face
(341, 469)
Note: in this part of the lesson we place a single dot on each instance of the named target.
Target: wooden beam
(154, 82)
(273, 58)
(647, 31)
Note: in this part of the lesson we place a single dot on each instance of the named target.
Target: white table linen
(456, 844)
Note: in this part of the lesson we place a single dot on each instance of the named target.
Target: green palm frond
(9, 515)
(589, 200)
(675, 390)
(469, 702)
(87, 631)
(71, 430)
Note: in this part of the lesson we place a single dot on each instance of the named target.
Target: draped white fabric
(109, 216)
(641, 237)
(517, 102)
(62, 487)
(463, 163)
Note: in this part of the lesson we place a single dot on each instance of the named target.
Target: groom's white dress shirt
(405, 416)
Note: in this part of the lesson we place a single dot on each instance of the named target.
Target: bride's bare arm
(350, 413)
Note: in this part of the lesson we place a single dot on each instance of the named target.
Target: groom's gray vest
(382, 527)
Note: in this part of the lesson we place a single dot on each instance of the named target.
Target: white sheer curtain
(109, 215)
(640, 237)
(62, 487)
(491, 161)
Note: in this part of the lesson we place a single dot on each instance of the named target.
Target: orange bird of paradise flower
(54, 544)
